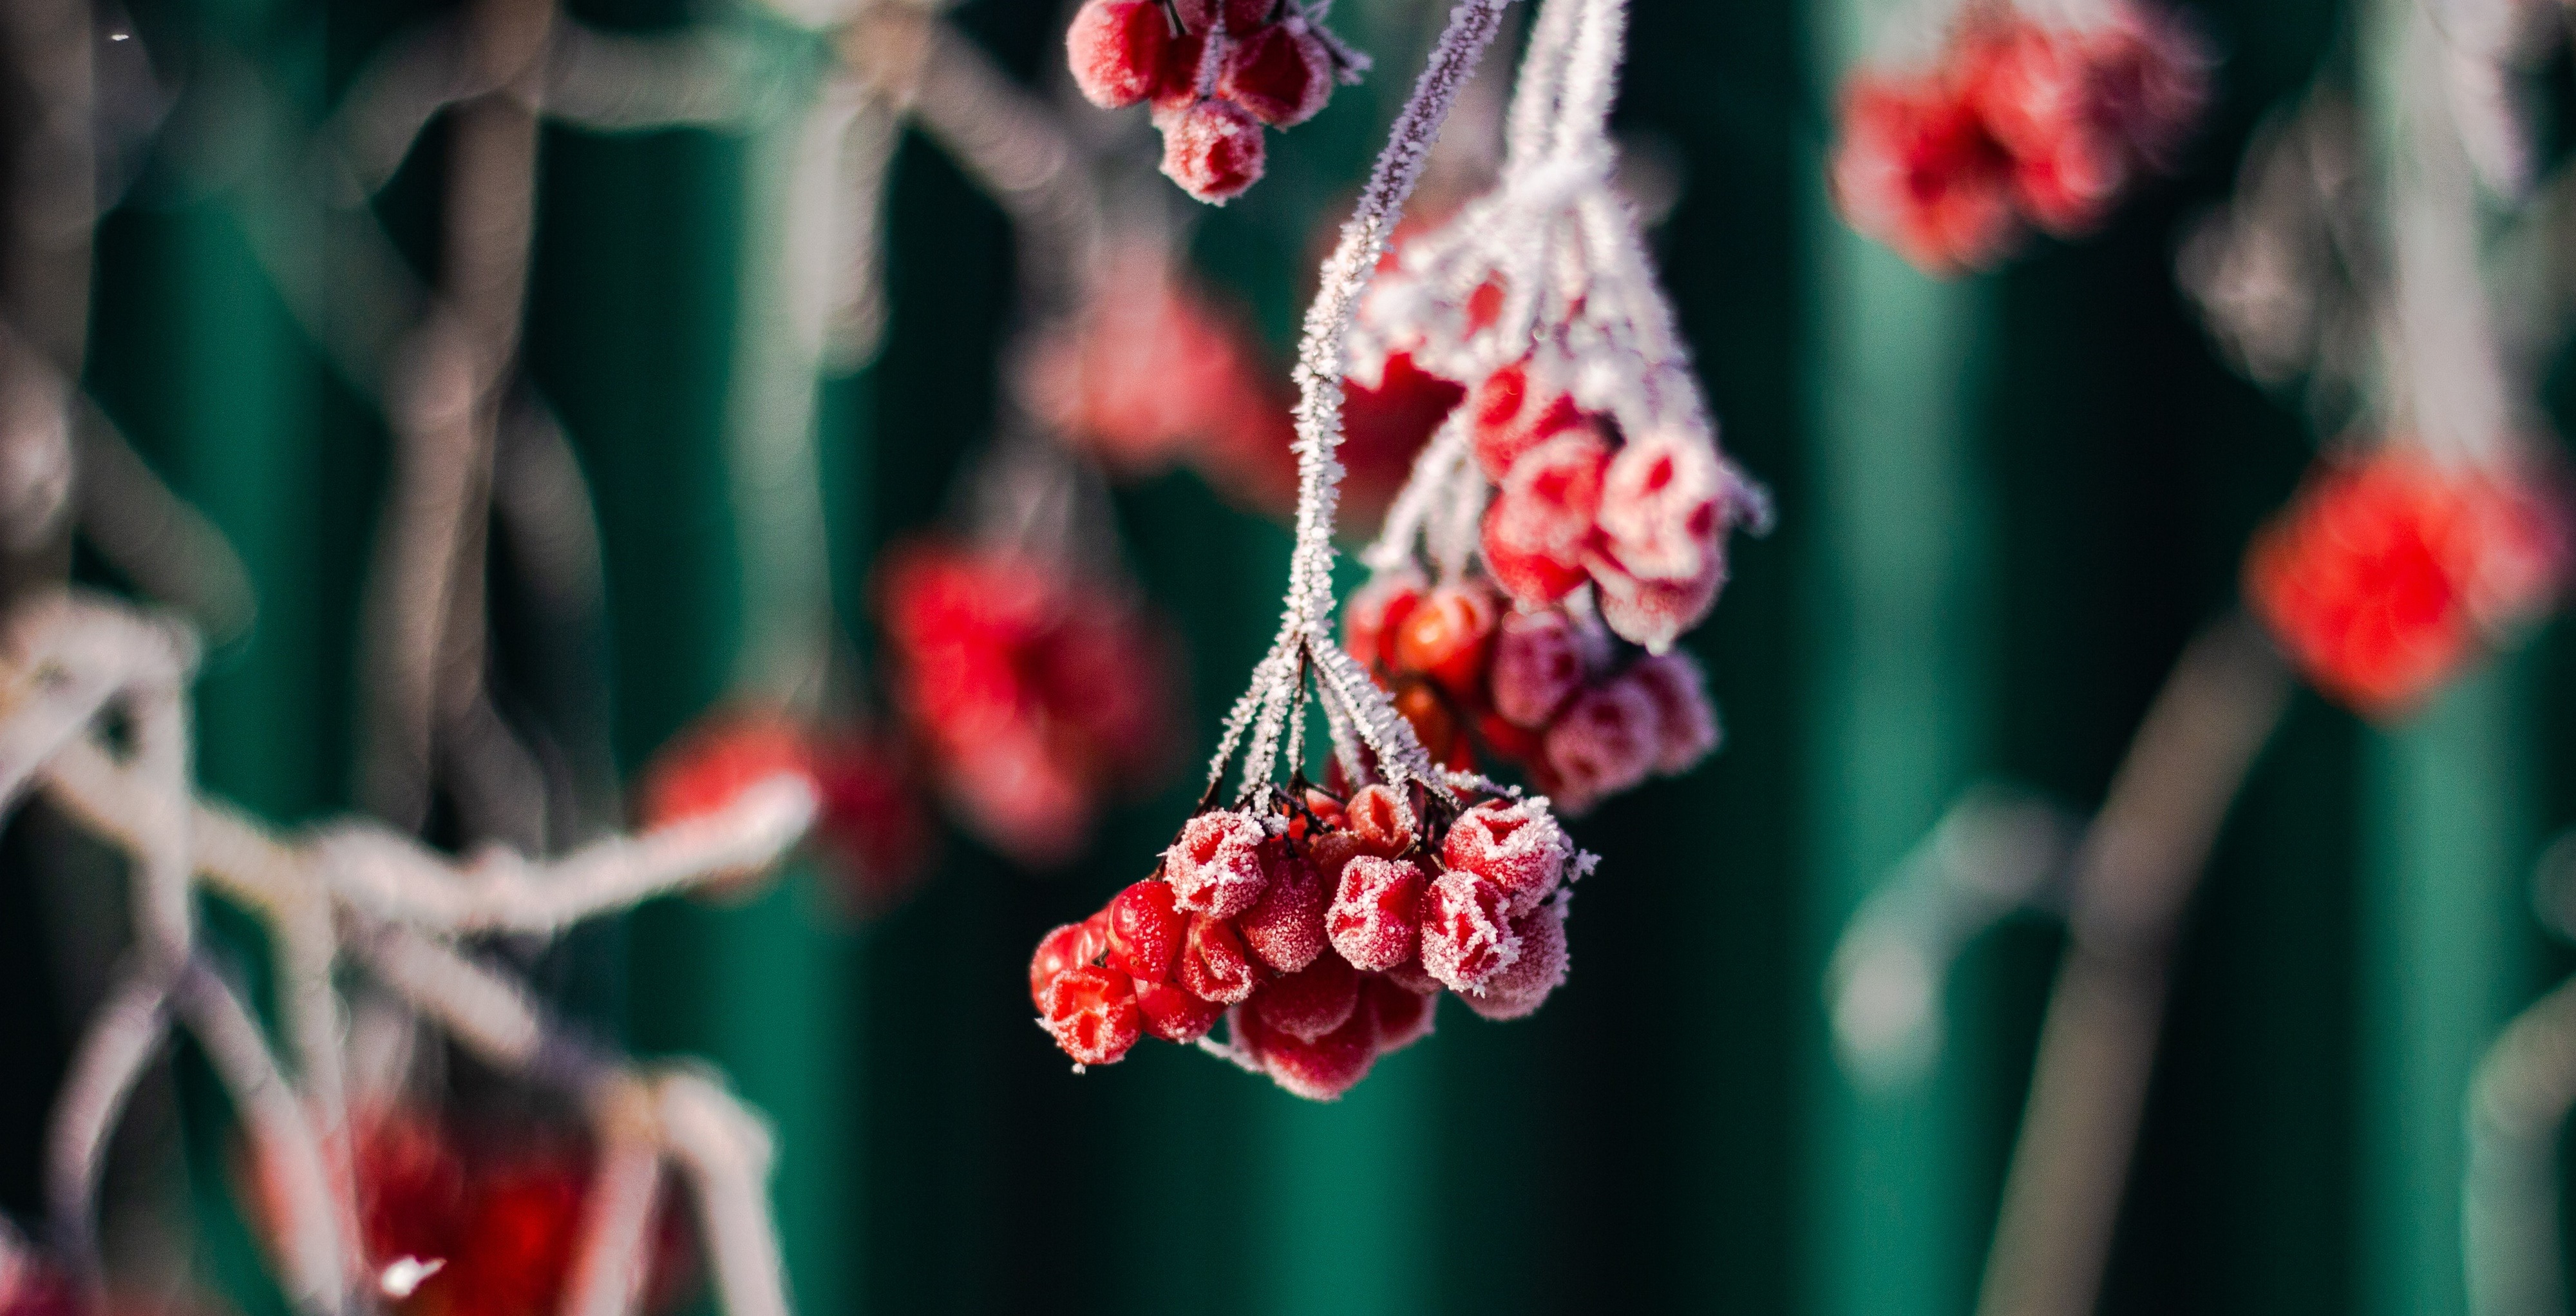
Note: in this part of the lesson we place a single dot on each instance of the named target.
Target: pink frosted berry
(1541, 521)
(1538, 665)
(1321, 1070)
(1686, 729)
(1285, 928)
(1280, 72)
(1661, 506)
(1379, 821)
(1514, 844)
(1466, 931)
(1524, 985)
(1091, 1012)
(1507, 421)
(1402, 1016)
(1214, 966)
(1654, 613)
(1117, 48)
(1173, 1014)
(1372, 919)
(1603, 744)
(1213, 149)
(1063, 950)
(1145, 932)
(1310, 1004)
(1215, 867)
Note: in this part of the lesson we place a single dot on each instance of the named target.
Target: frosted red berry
(1281, 72)
(1662, 507)
(1604, 743)
(1215, 866)
(1520, 988)
(1466, 931)
(1214, 964)
(1065, 949)
(1654, 613)
(1213, 149)
(1686, 729)
(1145, 931)
(1372, 921)
(1285, 928)
(1515, 844)
(1449, 636)
(1091, 1012)
(1378, 820)
(1321, 1070)
(1399, 1015)
(1538, 665)
(1116, 48)
(1171, 1013)
(1311, 1003)
(1541, 520)
(1508, 417)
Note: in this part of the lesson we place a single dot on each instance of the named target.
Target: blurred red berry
(1541, 520)
(1685, 721)
(1213, 149)
(1375, 614)
(1919, 169)
(1311, 1003)
(1117, 48)
(1509, 418)
(1538, 665)
(1449, 636)
(1281, 72)
(1321, 1070)
(1603, 743)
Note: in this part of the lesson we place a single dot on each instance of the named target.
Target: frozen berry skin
(1176, 80)
(1521, 988)
(1173, 1014)
(1507, 420)
(1215, 866)
(1400, 1015)
(1449, 637)
(1538, 665)
(1281, 72)
(1373, 919)
(1312, 1003)
(1541, 521)
(1321, 1070)
(1378, 820)
(1116, 48)
(1214, 966)
(1091, 1012)
(1467, 936)
(1213, 149)
(1662, 507)
(1604, 744)
(1516, 845)
(1065, 949)
(1375, 614)
(1145, 930)
(1686, 729)
(1285, 928)
(1654, 613)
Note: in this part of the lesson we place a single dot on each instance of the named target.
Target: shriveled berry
(1542, 520)
(1538, 665)
(1312, 1003)
(1213, 149)
(1116, 48)
(1449, 637)
(1174, 1015)
(1372, 921)
(1067, 948)
(1514, 844)
(1214, 966)
(1401, 1015)
(1321, 1070)
(1215, 866)
(1686, 728)
(1378, 820)
(1281, 72)
(1604, 744)
(1285, 928)
(1376, 613)
(1091, 1012)
(1520, 989)
(1509, 417)
(1466, 931)
(1661, 508)
(1145, 931)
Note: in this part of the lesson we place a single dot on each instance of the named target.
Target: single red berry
(1067, 948)
(2033, 87)
(1372, 921)
(1281, 72)
(1116, 48)
(1449, 637)
(1542, 519)
(1285, 928)
(1514, 844)
(1312, 1002)
(1213, 149)
(1919, 168)
(1686, 729)
(1538, 665)
(1214, 966)
(1662, 507)
(1321, 1070)
(1215, 866)
(1401, 1016)
(1378, 820)
(1604, 743)
(1174, 1015)
(1091, 1012)
(705, 770)
(1466, 931)
(1525, 985)
(1509, 417)
(516, 1250)
(1145, 931)
(1654, 613)
(1375, 615)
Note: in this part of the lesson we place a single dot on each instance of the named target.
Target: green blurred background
(2005, 504)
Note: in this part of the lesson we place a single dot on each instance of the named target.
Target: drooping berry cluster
(873, 826)
(1215, 72)
(1550, 691)
(1037, 697)
(1323, 931)
(2388, 572)
(2019, 123)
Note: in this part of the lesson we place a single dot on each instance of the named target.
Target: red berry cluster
(1037, 697)
(2386, 573)
(1214, 71)
(1322, 931)
(2018, 123)
(872, 822)
(1582, 715)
